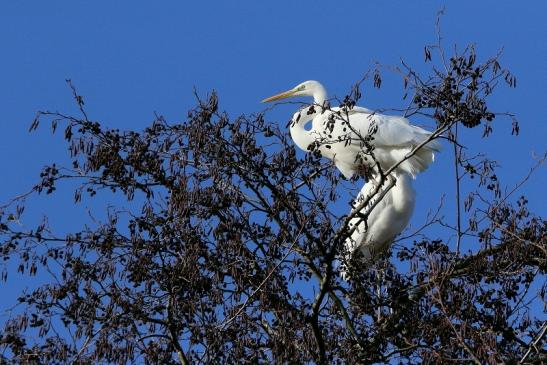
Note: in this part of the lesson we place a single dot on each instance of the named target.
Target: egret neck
(302, 137)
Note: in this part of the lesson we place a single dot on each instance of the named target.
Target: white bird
(375, 233)
(345, 135)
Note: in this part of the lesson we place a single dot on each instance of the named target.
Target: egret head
(306, 88)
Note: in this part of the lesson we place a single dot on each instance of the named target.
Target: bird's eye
(301, 87)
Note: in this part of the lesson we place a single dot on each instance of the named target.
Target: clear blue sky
(130, 59)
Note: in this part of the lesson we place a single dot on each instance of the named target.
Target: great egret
(346, 135)
(374, 234)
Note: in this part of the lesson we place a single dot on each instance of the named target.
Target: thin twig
(244, 305)
(457, 157)
(534, 343)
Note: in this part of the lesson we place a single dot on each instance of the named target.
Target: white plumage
(386, 220)
(342, 134)
(354, 138)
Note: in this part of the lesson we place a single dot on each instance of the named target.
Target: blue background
(130, 59)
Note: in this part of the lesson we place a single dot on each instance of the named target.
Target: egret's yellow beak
(282, 95)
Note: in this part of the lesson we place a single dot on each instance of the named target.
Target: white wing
(393, 137)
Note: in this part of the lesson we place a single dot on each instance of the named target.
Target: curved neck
(319, 95)
(301, 137)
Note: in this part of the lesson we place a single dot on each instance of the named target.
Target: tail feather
(420, 161)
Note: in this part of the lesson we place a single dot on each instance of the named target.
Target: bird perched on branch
(355, 137)
(358, 139)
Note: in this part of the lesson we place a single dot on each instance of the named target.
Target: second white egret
(388, 218)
